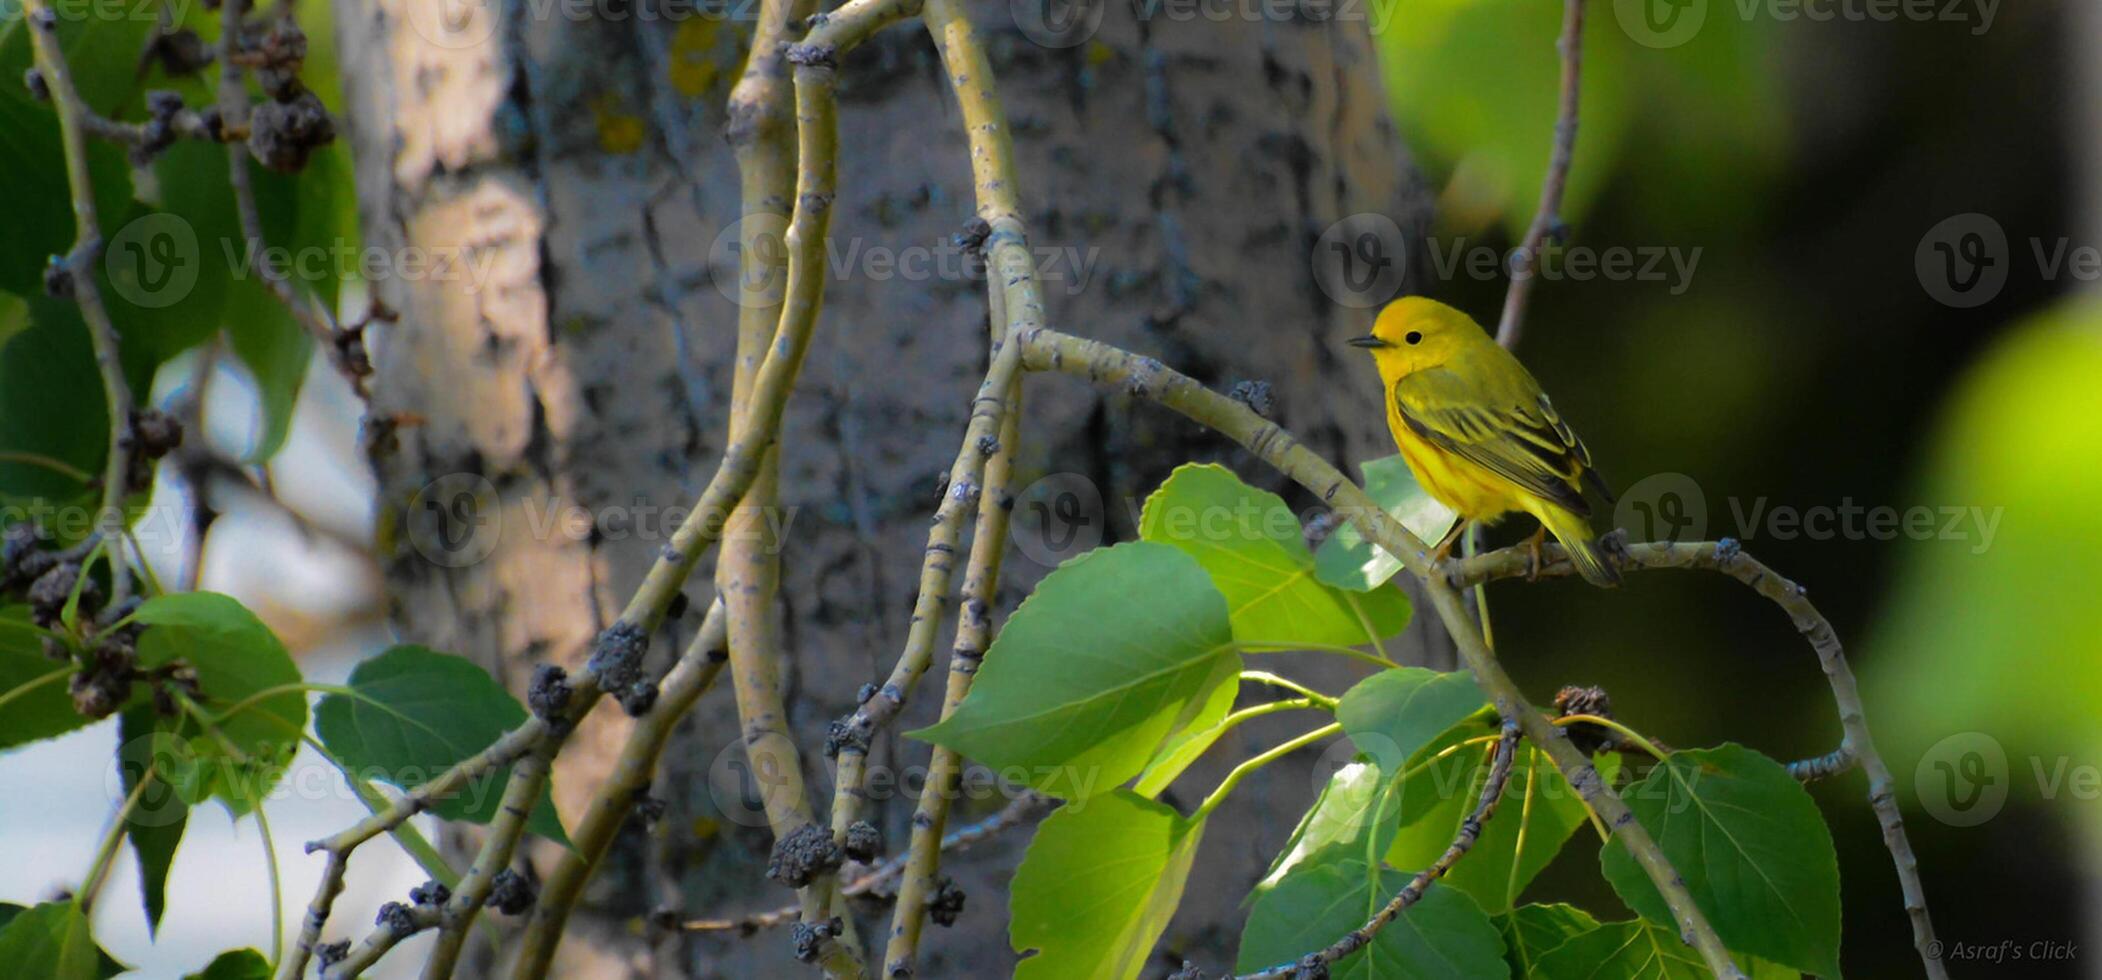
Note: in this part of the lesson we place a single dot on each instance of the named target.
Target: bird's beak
(1368, 342)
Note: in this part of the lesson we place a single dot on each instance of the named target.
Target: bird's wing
(1515, 434)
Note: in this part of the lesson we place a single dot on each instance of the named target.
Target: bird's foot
(1534, 565)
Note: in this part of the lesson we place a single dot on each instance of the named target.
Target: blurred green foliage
(2003, 638)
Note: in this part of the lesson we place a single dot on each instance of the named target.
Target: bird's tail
(1584, 550)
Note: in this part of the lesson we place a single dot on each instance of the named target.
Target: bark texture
(536, 413)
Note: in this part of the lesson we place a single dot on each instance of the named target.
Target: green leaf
(51, 405)
(1623, 951)
(1255, 552)
(1393, 714)
(1085, 683)
(33, 700)
(1192, 738)
(1347, 561)
(236, 658)
(327, 207)
(1752, 848)
(156, 822)
(276, 350)
(1442, 935)
(52, 941)
(235, 964)
(1503, 861)
(1533, 931)
(1353, 820)
(102, 53)
(416, 713)
(1098, 885)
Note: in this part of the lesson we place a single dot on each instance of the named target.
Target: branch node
(549, 693)
(803, 855)
(1588, 738)
(616, 659)
(945, 906)
(810, 937)
(864, 843)
(510, 892)
(823, 56)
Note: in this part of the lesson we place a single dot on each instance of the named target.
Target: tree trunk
(578, 356)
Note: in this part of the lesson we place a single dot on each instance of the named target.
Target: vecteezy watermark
(156, 260)
(1360, 262)
(1964, 260)
(1670, 23)
(82, 11)
(1964, 779)
(1066, 23)
(459, 519)
(1672, 507)
(1668, 264)
(743, 793)
(763, 281)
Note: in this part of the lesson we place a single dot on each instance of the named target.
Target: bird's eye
(1414, 337)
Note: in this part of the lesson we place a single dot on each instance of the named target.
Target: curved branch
(384, 937)
(1729, 558)
(1148, 378)
(1547, 221)
(1463, 841)
(692, 676)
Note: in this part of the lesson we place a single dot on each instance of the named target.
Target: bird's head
(1414, 333)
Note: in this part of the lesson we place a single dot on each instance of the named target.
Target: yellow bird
(1479, 433)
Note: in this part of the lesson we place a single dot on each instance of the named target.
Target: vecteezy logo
(454, 24)
(1963, 779)
(1057, 23)
(152, 262)
(455, 521)
(1057, 518)
(1660, 23)
(1962, 261)
(1360, 260)
(745, 784)
(1663, 507)
(749, 260)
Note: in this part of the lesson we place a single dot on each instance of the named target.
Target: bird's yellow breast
(1470, 490)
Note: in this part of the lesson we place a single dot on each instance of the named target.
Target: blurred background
(1829, 289)
(1879, 321)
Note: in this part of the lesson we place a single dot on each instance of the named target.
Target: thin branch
(628, 783)
(1547, 222)
(1145, 377)
(1470, 831)
(1013, 274)
(387, 932)
(295, 964)
(1826, 766)
(974, 636)
(1027, 805)
(75, 274)
(234, 110)
(1014, 303)
(498, 845)
(1729, 558)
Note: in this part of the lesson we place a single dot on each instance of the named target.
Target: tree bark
(578, 356)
